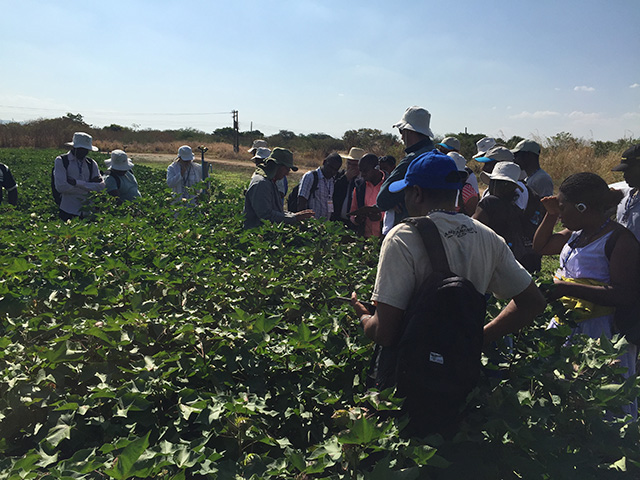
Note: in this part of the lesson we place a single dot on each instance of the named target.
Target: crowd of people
(495, 238)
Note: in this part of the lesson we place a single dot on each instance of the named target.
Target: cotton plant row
(163, 341)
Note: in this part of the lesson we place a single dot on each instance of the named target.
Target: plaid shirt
(321, 201)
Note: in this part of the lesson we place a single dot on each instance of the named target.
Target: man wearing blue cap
(473, 251)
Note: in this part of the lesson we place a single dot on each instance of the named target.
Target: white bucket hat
(82, 140)
(261, 153)
(185, 153)
(416, 119)
(506, 171)
(484, 145)
(119, 161)
(354, 154)
(256, 145)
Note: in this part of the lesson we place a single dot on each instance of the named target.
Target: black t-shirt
(505, 218)
(6, 179)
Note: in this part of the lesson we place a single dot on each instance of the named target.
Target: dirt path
(235, 165)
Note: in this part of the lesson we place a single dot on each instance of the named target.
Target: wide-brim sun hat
(417, 119)
(82, 140)
(505, 171)
(431, 171)
(261, 153)
(282, 156)
(484, 145)
(256, 145)
(185, 153)
(119, 161)
(354, 154)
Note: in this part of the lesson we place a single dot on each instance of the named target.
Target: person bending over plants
(598, 260)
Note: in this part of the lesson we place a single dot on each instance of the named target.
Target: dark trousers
(66, 216)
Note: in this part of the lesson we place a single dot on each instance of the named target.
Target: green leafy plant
(163, 341)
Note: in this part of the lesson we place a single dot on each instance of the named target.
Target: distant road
(243, 165)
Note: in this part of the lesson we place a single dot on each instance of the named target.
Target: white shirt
(473, 250)
(74, 196)
(180, 183)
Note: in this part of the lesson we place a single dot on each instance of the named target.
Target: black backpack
(57, 197)
(292, 200)
(437, 359)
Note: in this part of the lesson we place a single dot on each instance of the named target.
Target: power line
(102, 112)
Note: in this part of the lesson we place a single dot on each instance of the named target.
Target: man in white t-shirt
(474, 252)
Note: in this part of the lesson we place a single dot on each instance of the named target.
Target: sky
(501, 68)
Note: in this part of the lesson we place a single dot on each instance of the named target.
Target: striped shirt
(321, 201)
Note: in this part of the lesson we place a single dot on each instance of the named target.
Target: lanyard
(631, 202)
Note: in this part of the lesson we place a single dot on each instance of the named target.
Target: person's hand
(557, 290)
(551, 205)
(304, 214)
(359, 308)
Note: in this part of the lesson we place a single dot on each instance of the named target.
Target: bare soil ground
(247, 166)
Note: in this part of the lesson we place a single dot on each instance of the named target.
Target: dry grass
(562, 163)
(221, 151)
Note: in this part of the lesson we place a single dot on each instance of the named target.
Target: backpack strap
(314, 185)
(90, 162)
(432, 243)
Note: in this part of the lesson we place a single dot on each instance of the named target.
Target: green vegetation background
(161, 341)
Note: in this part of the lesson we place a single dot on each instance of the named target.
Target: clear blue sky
(503, 68)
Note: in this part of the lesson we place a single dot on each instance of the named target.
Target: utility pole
(236, 141)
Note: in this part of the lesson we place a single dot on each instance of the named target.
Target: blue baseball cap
(432, 171)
